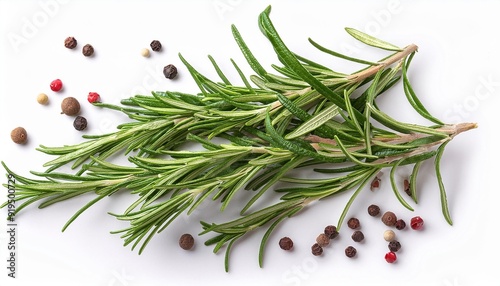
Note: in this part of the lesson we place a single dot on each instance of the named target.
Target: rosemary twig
(307, 116)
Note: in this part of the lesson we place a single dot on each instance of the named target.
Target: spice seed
(186, 241)
(56, 85)
(145, 53)
(170, 71)
(394, 246)
(350, 251)
(70, 106)
(316, 249)
(70, 42)
(155, 45)
(88, 50)
(390, 257)
(406, 185)
(389, 235)
(389, 218)
(80, 123)
(373, 210)
(400, 224)
(286, 243)
(322, 240)
(19, 135)
(417, 223)
(358, 236)
(42, 98)
(353, 223)
(331, 231)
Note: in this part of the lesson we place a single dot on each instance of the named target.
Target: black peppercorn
(88, 50)
(350, 251)
(286, 243)
(400, 224)
(155, 45)
(394, 246)
(70, 42)
(80, 123)
(186, 241)
(170, 71)
(331, 231)
(389, 218)
(358, 236)
(316, 249)
(373, 210)
(353, 223)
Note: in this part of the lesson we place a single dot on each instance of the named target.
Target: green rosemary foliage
(306, 116)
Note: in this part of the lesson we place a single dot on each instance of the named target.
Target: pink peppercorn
(56, 85)
(93, 97)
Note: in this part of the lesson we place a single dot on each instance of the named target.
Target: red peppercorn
(390, 257)
(93, 97)
(56, 85)
(417, 223)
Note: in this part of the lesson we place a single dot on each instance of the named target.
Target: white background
(455, 74)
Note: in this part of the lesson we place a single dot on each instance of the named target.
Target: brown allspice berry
(322, 240)
(400, 224)
(88, 50)
(353, 223)
(373, 210)
(350, 251)
(394, 246)
(70, 106)
(155, 45)
(19, 135)
(70, 42)
(389, 218)
(316, 249)
(358, 236)
(186, 241)
(286, 243)
(331, 231)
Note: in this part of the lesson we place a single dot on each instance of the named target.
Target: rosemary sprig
(308, 116)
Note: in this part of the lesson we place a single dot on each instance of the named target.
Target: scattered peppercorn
(322, 240)
(353, 223)
(331, 231)
(400, 224)
(406, 185)
(56, 85)
(70, 42)
(390, 257)
(389, 235)
(375, 184)
(373, 210)
(316, 249)
(286, 243)
(93, 97)
(389, 218)
(350, 251)
(19, 135)
(145, 53)
(80, 123)
(358, 236)
(70, 106)
(417, 223)
(155, 45)
(42, 98)
(394, 246)
(88, 50)
(186, 241)
(170, 71)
